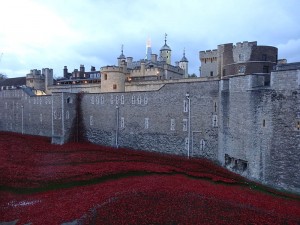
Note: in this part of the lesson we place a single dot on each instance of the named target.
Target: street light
(187, 95)
(117, 125)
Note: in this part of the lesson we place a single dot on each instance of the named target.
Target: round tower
(184, 64)
(165, 52)
(112, 79)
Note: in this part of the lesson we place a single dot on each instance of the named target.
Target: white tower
(184, 64)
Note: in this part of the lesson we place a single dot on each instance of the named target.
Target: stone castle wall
(156, 120)
(251, 128)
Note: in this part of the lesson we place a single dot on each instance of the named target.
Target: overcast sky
(36, 34)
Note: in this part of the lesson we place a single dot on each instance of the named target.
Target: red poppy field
(81, 183)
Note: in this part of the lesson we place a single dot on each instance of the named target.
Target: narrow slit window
(146, 123)
(122, 124)
(172, 124)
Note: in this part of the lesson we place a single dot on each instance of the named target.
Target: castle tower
(165, 52)
(48, 73)
(184, 64)
(121, 57)
(148, 50)
(112, 79)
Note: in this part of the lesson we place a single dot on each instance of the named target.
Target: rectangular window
(186, 143)
(185, 106)
(215, 121)
(146, 123)
(242, 69)
(122, 124)
(92, 100)
(215, 106)
(264, 123)
(67, 115)
(122, 99)
(264, 57)
(298, 126)
(105, 76)
(172, 124)
(91, 121)
(211, 73)
(265, 69)
(133, 99)
(185, 124)
(114, 86)
(202, 145)
(117, 99)
(145, 100)
(241, 57)
(139, 100)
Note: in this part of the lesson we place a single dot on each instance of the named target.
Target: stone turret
(184, 64)
(122, 57)
(48, 73)
(165, 52)
(112, 79)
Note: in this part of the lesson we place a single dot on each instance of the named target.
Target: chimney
(153, 58)
(66, 72)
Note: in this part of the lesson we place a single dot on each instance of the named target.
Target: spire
(165, 47)
(166, 38)
(122, 56)
(184, 59)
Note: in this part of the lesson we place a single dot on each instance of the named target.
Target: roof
(16, 82)
(122, 56)
(184, 59)
(165, 48)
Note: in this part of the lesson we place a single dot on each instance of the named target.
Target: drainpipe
(187, 95)
(117, 126)
(52, 124)
(62, 117)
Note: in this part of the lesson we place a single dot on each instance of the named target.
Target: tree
(2, 76)
(192, 75)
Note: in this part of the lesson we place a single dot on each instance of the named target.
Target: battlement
(208, 53)
(34, 76)
(111, 69)
(245, 44)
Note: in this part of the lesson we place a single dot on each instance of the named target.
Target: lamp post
(187, 95)
(22, 108)
(117, 125)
